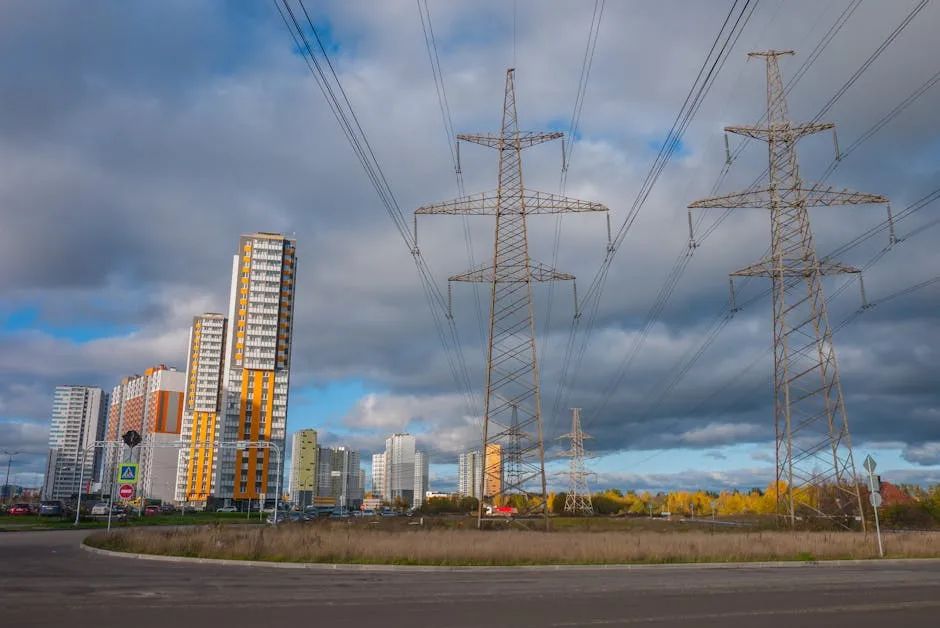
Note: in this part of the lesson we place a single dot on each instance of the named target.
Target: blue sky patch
(680, 150)
(29, 319)
(323, 407)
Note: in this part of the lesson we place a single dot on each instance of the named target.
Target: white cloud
(923, 453)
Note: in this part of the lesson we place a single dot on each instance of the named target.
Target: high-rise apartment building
(78, 420)
(406, 470)
(493, 483)
(151, 404)
(197, 464)
(345, 473)
(339, 477)
(303, 468)
(378, 476)
(400, 467)
(257, 363)
(421, 479)
(469, 474)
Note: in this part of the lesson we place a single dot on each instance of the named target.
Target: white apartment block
(405, 470)
(78, 420)
(469, 474)
(421, 479)
(378, 476)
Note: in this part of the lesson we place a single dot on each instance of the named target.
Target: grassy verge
(35, 522)
(329, 542)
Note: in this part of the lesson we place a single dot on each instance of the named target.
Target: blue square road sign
(127, 473)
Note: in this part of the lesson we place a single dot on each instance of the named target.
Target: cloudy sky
(138, 140)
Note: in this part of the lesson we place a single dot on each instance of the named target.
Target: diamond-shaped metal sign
(870, 464)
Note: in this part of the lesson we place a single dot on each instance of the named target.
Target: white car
(227, 509)
(100, 509)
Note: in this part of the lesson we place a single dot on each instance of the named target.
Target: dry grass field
(435, 546)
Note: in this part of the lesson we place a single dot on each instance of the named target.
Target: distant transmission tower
(815, 469)
(512, 413)
(578, 497)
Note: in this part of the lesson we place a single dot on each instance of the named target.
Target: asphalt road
(47, 580)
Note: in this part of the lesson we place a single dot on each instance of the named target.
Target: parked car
(51, 509)
(99, 509)
(368, 513)
(282, 517)
(227, 509)
(150, 511)
(167, 509)
(18, 510)
(299, 517)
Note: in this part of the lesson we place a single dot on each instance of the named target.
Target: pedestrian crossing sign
(127, 473)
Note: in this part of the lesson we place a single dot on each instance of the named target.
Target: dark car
(150, 511)
(282, 517)
(18, 510)
(51, 509)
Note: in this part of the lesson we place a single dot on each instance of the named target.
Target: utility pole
(578, 498)
(512, 413)
(815, 470)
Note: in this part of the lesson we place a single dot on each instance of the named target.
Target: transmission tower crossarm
(519, 139)
(544, 203)
(767, 268)
(538, 272)
(789, 132)
(480, 204)
(533, 202)
(809, 196)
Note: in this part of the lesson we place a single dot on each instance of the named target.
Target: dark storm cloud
(137, 143)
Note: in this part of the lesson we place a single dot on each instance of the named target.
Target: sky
(138, 141)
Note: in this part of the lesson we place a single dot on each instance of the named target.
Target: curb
(513, 568)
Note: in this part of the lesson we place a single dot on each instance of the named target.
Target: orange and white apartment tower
(197, 464)
(151, 404)
(257, 364)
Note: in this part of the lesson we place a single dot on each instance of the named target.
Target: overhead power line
(733, 25)
(685, 254)
(321, 68)
(574, 126)
(453, 148)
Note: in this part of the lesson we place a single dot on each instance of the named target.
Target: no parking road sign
(127, 473)
(126, 491)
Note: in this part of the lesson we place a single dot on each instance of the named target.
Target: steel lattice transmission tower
(578, 497)
(513, 451)
(815, 473)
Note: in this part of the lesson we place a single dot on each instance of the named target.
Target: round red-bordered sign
(126, 491)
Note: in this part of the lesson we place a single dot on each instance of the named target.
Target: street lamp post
(10, 455)
(81, 482)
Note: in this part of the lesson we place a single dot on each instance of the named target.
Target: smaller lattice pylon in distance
(815, 468)
(578, 497)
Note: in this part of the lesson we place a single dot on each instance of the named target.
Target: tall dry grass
(325, 544)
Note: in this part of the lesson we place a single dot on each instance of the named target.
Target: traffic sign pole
(875, 499)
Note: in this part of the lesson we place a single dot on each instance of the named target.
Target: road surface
(47, 580)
